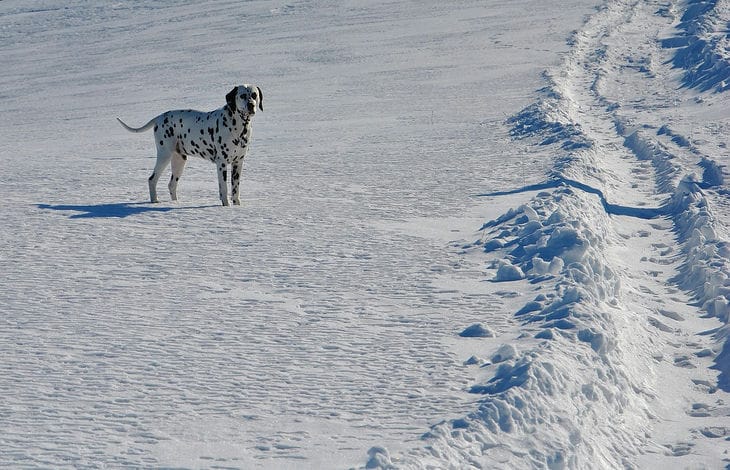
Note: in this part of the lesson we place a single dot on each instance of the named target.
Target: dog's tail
(138, 129)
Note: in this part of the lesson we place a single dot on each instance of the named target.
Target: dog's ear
(231, 99)
(261, 99)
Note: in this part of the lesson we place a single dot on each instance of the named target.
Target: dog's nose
(251, 107)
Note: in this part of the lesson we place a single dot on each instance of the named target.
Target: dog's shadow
(117, 210)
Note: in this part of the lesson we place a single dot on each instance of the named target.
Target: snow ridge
(558, 241)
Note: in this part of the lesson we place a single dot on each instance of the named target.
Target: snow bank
(558, 241)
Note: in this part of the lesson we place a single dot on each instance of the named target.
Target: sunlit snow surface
(547, 173)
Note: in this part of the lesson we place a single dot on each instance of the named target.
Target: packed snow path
(321, 319)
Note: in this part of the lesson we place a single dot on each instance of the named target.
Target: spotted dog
(221, 136)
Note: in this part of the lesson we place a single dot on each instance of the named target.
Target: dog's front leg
(223, 183)
(236, 168)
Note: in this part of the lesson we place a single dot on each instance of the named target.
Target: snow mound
(477, 331)
(508, 272)
(546, 119)
(557, 241)
(379, 459)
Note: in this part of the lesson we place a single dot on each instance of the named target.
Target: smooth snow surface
(473, 235)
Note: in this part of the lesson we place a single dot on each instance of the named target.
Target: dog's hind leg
(178, 165)
(163, 159)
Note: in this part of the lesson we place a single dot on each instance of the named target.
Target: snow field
(323, 318)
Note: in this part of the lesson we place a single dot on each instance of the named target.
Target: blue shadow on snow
(114, 210)
(613, 209)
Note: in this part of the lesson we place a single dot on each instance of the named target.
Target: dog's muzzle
(252, 107)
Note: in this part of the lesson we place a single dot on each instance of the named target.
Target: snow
(484, 236)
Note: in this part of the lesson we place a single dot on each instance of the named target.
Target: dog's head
(245, 98)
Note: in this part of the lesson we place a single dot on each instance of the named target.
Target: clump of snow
(477, 331)
(474, 360)
(379, 459)
(541, 267)
(504, 353)
(508, 272)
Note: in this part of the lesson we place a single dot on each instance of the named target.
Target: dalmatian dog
(221, 136)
